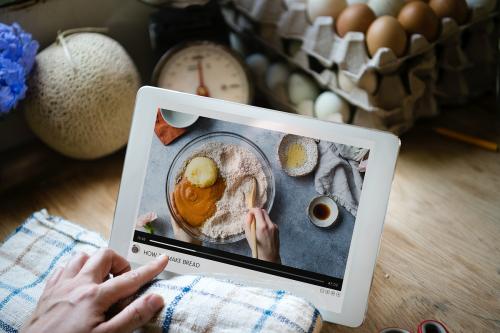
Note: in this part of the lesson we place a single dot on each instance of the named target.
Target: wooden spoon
(250, 198)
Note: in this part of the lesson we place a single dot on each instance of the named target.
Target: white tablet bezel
(368, 227)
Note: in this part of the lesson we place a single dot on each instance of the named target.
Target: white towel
(192, 304)
(337, 174)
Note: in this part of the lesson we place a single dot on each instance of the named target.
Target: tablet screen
(201, 181)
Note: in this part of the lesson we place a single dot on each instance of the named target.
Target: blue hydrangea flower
(17, 56)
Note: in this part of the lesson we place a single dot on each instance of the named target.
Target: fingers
(269, 223)
(103, 263)
(127, 284)
(135, 315)
(259, 217)
(75, 265)
(54, 277)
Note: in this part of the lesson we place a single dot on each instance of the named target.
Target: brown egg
(356, 17)
(455, 9)
(386, 31)
(417, 17)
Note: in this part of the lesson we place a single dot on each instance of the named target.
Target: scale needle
(202, 90)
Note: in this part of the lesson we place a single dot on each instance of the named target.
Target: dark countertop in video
(302, 245)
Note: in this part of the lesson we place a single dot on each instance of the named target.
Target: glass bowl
(179, 163)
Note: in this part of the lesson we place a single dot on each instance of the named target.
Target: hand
(181, 235)
(77, 297)
(267, 234)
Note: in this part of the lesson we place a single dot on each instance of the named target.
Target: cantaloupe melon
(82, 105)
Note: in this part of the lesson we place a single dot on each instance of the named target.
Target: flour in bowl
(237, 165)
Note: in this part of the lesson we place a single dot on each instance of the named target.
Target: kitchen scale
(205, 68)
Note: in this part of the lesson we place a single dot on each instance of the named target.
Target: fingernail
(162, 257)
(155, 302)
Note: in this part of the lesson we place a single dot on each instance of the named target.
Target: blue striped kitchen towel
(192, 303)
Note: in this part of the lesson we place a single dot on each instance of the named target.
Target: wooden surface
(440, 253)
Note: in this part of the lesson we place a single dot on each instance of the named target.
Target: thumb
(135, 315)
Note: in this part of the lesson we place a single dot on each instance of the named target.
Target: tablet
(195, 165)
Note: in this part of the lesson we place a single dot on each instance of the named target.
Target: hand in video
(181, 235)
(268, 241)
(78, 297)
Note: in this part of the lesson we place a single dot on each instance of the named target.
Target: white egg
(331, 8)
(386, 7)
(369, 82)
(329, 106)
(488, 5)
(258, 64)
(306, 108)
(276, 80)
(352, 2)
(236, 43)
(345, 83)
(301, 87)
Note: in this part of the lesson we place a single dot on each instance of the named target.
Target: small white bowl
(178, 119)
(310, 147)
(332, 206)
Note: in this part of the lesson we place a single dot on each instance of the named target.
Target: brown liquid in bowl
(321, 211)
(195, 204)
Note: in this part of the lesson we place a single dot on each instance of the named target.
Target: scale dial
(205, 69)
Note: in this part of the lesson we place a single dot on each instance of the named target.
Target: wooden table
(440, 253)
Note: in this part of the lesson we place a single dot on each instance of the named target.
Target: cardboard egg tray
(467, 63)
(321, 42)
(397, 120)
(406, 86)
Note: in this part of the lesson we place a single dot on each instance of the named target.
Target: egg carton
(268, 38)
(381, 121)
(404, 108)
(262, 11)
(322, 43)
(460, 52)
(397, 120)
(465, 73)
(375, 91)
(391, 93)
(459, 87)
